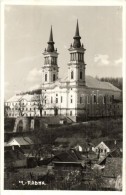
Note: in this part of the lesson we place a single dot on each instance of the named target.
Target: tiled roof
(95, 83)
(27, 97)
(68, 156)
(22, 140)
(15, 98)
(92, 82)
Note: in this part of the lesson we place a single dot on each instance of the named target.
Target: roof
(54, 120)
(95, 83)
(68, 156)
(62, 140)
(27, 97)
(15, 98)
(21, 140)
(115, 153)
(111, 144)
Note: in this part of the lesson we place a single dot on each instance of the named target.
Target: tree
(20, 108)
(6, 108)
(40, 100)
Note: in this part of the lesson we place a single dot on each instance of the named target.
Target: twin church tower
(75, 96)
(76, 66)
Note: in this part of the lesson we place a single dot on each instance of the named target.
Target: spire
(50, 47)
(77, 43)
(51, 35)
(77, 30)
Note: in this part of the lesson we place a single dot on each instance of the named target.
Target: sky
(26, 33)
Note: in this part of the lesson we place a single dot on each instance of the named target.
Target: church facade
(75, 96)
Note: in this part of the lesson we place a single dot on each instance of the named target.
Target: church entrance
(55, 111)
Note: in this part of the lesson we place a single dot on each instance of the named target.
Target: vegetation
(110, 128)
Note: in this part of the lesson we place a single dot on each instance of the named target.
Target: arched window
(45, 77)
(80, 74)
(20, 126)
(72, 75)
(54, 77)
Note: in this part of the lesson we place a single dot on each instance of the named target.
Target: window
(45, 77)
(72, 56)
(80, 74)
(45, 101)
(80, 100)
(71, 113)
(61, 99)
(82, 57)
(95, 100)
(56, 100)
(51, 99)
(71, 101)
(54, 77)
(78, 57)
(88, 99)
(104, 99)
(112, 97)
(72, 75)
(44, 112)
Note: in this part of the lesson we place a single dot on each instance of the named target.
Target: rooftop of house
(111, 144)
(21, 141)
(68, 156)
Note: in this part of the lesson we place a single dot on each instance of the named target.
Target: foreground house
(105, 147)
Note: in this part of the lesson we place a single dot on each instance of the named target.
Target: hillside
(98, 130)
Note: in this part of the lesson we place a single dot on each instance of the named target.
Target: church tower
(76, 66)
(50, 67)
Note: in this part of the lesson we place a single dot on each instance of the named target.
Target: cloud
(102, 60)
(37, 86)
(34, 75)
(119, 61)
(65, 46)
(6, 84)
(27, 59)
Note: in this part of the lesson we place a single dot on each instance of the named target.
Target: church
(76, 96)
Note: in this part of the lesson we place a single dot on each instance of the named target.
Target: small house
(105, 147)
